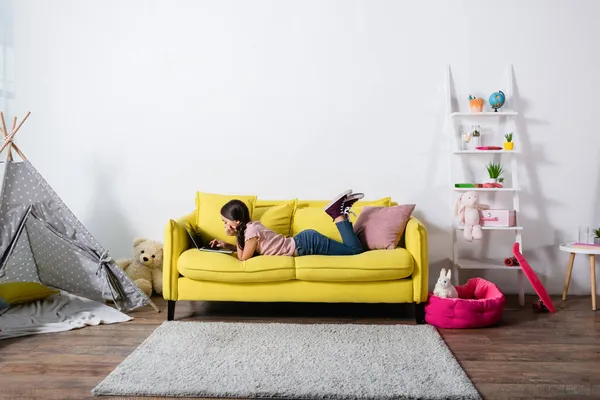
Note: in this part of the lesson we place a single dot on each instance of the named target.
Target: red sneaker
(349, 202)
(335, 208)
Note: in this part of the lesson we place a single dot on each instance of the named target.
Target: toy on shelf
(475, 104)
(467, 209)
(534, 280)
(509, 144)
(443, 287)
(497, 100)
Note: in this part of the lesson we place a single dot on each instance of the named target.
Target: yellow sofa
(375, 276)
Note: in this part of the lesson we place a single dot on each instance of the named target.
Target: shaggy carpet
(300, 361)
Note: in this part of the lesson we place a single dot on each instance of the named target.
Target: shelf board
(484, 263)
(485, 114)
(485, 152)
(496, 228)
(487, 189)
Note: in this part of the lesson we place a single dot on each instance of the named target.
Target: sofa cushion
(14, 293)
(380, 228)
(313, 216)
(207, 266)
(373, 265)
(278, 218)
(209, 224)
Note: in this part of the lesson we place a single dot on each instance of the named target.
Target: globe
(497, 100)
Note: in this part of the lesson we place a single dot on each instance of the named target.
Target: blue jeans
(311, 242)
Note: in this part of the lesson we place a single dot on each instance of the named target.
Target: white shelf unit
(484, 263)
(454, 119)
(496, 228)
(483, 152)
(484, 114)
(487, 189)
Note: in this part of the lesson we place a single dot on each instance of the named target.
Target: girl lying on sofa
(253, 237)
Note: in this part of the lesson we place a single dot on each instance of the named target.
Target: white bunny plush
(443, 287)
(466, 210)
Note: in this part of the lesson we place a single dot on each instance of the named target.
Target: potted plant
(494, 171)
(475, 104)
(597, 238)
(509, 144)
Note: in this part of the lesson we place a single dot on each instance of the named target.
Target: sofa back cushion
(380, 228)
(311, 215)
(277, 217)
(209, 224)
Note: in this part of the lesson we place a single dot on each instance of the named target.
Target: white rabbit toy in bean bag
(443, 287)
(466, 210)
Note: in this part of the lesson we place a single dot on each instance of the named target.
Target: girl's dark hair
(236, 210)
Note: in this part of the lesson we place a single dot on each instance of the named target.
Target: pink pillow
(382, 227)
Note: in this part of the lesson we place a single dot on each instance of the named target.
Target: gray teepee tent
(42, 241)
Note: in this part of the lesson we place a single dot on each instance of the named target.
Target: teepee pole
(5, 134)
(14, 145)
(153, 305)
(19, 152)
(9, 138)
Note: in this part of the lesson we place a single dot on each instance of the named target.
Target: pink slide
(533, 279)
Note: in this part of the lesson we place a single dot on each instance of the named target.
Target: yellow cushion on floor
(15, 293)
(203, 265)
(373, 265)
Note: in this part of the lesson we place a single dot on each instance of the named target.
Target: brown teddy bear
(145, 268)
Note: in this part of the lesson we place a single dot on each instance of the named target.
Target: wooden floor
(529, 356)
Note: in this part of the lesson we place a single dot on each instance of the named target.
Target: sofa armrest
(176, 242)
(416, 244)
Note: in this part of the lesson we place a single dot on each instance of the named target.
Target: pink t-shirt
(270, 243)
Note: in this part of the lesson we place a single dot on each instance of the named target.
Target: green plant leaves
(494, 170)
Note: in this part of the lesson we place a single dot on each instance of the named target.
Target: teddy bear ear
(138, 241)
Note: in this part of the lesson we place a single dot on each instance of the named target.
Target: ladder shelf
(454, 119)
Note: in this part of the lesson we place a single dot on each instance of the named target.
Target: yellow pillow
(208, 223)
(15, 293)
(277, 218)
(316, 218)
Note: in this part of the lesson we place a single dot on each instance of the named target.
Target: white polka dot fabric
(62, 265)
(20, 266)
(42, 241)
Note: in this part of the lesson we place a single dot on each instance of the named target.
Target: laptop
(200, 246)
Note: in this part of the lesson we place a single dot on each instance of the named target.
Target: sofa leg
(420, 313)
(170, 310)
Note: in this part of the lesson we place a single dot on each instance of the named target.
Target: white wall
(6, 56)
(136, 105)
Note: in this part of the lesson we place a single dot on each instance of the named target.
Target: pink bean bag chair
(480, 304)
